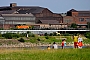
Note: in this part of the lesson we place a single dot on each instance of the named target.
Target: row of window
(67, 21)
(84, 14)
(12, 22)
(49, 18)
(80, 19)
(1, 21)
(83, 19)
(19, 18)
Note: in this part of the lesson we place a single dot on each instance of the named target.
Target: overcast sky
(56, 6)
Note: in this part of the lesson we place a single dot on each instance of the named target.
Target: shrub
(31, 35)
(38, 39)
(87, 35)
(23, 35)
(45, 34)
(54, 34)
(1, 28)
(7, 35)
(46, 37)
(51, 34)
(21, 40)
(66, 34)
(73, 25)
(16, 35)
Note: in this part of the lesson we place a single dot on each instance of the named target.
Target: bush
(38, 39)
(66, 34)
(73, 25)
(16, 35)
(10, 35)
(7, 35)
(51, 34)
(54, 34)
(23, 35)
(32, 40)
(32, 35)
(21, 40)
(1, 28)
(45, 34)
(46, 37)
(87, 35)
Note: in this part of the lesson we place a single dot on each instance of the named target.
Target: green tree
(87, 35)
(7, 35)
(16, 35)
(54, 34)
(88, 25)
(45, 34)
(73, 25)
(51, 34)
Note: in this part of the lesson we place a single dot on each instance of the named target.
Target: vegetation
(66, 34)
(88, 25)
(45, 34)
(37, 54)
(47, 38)
(7, 35)
(38, 39)
(21, 40)
(1, 28)
(44, 54)
(32, 39)
(16, 35)
(73, 25)
(87, 35)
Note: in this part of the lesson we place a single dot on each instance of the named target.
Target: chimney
(13, 4)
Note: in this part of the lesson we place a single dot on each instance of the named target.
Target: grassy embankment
(50, 39)
(35, 54)
(44, 40)
(33, 38)
(57, 39)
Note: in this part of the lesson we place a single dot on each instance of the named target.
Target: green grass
(52, 39)
(36, 54)
(86, 41)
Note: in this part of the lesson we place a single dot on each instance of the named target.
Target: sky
(56, 6)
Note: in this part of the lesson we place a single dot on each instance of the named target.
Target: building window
(88, 19)
(19, 18)
(67, 21)
(84, 14)
(81, 19)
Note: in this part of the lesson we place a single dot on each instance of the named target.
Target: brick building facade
(78, 17)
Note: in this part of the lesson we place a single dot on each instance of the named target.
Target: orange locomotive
(23, 27)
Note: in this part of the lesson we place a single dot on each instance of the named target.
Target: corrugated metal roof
(17, 15)
(5, 8)
(31, 10)
(7, 12)
(24, 9)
